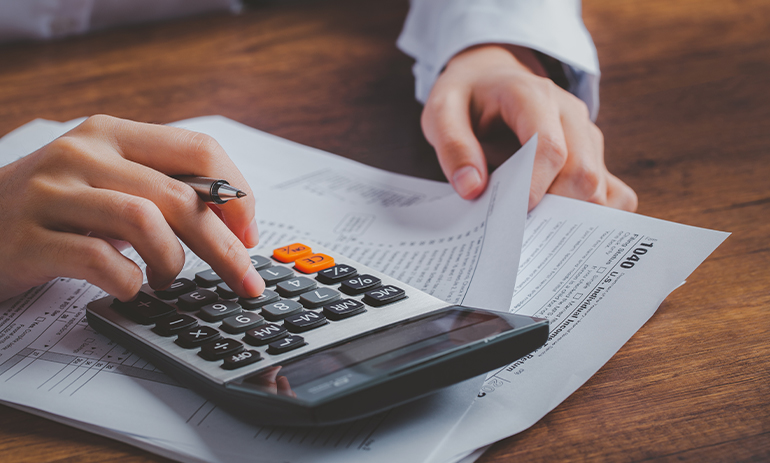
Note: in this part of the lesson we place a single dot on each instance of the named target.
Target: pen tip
(240, 194)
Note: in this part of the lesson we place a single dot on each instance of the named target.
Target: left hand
(487, 84)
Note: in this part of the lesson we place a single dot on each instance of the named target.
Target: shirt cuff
(436, 30)
(51, 19)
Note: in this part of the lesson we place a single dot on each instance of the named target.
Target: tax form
(576, 262)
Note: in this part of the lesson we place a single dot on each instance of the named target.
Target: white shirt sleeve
(436, 30)
(47, 19)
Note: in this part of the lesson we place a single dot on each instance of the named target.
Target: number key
(196, 299)
(281, 309)
(318, 297)
(295, 286)
(219, 310)
(242, 322)
(275, 274)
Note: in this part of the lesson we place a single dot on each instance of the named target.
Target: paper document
(597, 274)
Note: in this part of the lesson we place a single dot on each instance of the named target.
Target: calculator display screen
(380, 353)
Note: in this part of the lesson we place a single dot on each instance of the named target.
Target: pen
(211, 190)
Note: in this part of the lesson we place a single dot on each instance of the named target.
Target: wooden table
(686, 115)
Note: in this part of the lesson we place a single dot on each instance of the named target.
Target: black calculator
(329, 340)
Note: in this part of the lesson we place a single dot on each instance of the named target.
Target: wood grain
(686, 117)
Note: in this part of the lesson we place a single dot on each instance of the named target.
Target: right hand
(109, 179)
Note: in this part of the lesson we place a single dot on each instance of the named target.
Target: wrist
(496, 54)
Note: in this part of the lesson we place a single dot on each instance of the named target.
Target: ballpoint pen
(211, 190)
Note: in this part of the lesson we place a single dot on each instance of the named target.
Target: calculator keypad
(206, 314)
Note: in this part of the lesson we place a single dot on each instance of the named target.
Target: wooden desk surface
(686, 115)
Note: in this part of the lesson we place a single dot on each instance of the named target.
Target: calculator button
(194, 337)
(335, 274)
(242, 322)
(384, 295)
(207, 278)
(281, 309)
(359, 284)
(178, 287)
(219, 310)
(260, 262)
(219, 349)
(253, 303)
(265, 334)
(295, 286)
(241, 359)
(196, 299)
(273, 275)
(286, 344)
(304, 321)
(225, 292)
(291, 252)
(343, 309)
(318, 297)
(313, 263)
(144, 309)
(173, 324)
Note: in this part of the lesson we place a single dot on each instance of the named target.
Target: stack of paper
(596, 273)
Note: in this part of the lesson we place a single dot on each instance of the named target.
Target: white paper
(415, 230)
(418, 230)
(598, 274)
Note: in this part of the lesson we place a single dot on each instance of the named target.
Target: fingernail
(252, 235)
(466, 180)
(253, 283)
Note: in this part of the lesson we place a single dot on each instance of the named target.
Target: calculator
(330, 340)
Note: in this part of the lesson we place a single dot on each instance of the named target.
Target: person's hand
(108, 179)
(484, 86)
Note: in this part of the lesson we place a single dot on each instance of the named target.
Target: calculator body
(365, 350)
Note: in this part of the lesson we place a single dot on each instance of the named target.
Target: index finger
(529, 111)
(176, 151)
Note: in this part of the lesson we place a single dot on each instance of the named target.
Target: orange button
(291, 252)
(314, 263)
